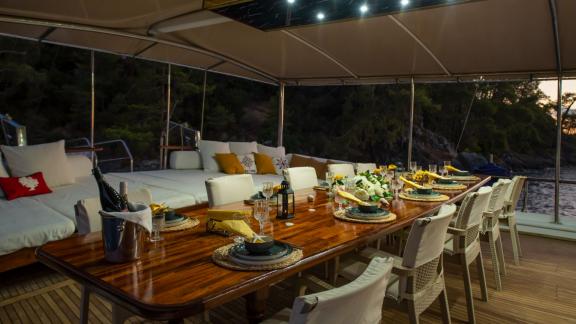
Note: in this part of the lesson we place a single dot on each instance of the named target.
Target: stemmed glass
(267, 191)
(329, 178)
(433, 168)
(157, 224)
(339, 200)
(413, 166)
(446, 164)
(350, 185)
(261, 213)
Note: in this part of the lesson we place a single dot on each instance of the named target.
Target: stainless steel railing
(126, 154)
(12, 132)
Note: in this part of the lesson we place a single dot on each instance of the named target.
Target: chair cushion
(16, 187)
(229, 163)
(25, 160)
(241, 148)
(207, 151)
(185, 160)
(264, 164)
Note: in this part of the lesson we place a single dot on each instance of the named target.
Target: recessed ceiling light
(405, 2)
(364, 8)
(290, 1)
(320, 16)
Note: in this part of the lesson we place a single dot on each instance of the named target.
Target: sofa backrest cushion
(242, 148)
(208, 149)
(183, 160)
(49, 158)
(272, 151)
(80, 165)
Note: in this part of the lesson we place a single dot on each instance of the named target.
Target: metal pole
(92, 107)
(558, 153)
(467, 117)
(411, 129)
(281, 114)
(554, 14)
(203, 103)
(168, 108)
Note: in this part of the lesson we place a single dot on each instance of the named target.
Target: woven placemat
(220, 257)
(438, 198)
(190, 222)
(341, 215)
(464, 178)
(439, 186)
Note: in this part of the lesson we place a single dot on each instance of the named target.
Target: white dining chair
(343, 169)
(508, 215)
(301, 177)
(87, 211)
(359, 301)
(363, 167)
(229, 189)
(490, 229)
(417, 277)
(463, 243)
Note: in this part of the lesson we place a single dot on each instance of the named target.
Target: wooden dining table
(176, 277)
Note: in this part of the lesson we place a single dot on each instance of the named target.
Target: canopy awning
(490, 39)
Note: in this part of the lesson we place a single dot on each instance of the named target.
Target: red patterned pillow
(31, 185)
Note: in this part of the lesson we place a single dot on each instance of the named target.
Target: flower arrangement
(338, 180)
(371, 186)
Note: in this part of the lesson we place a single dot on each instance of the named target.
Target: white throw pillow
(280, 164)
(184, 160)
(49, 158)
(208, 149)
(80, 165)
(248, 162)
(241, 148)
(272, 151)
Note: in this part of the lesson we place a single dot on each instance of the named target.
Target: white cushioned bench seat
(190, 182)
(26, 222)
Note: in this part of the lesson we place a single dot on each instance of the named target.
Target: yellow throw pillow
(264, 164)
(229, 163)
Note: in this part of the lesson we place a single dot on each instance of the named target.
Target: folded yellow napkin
(411, 184)
(230, 221)
(452, 169)
(435, 175)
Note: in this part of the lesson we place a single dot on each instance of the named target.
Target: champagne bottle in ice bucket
(123, 240)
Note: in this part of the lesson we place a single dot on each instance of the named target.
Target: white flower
(361, 194)
(379, 191)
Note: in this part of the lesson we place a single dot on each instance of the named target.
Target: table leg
(256, 305)
(84, 305)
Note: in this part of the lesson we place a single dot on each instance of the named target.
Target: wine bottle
(110, 199)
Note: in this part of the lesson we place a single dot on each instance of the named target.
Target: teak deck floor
(541, 290)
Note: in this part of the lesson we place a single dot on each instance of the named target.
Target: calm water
(541, 195)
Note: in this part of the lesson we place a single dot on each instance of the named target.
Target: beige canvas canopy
(493, 39)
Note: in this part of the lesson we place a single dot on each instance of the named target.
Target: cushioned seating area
(26, 222)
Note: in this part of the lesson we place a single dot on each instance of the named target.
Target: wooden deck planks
(541, 290)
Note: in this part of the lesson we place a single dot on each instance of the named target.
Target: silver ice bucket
(123, 240)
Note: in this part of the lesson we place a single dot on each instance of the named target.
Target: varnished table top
(176, 278)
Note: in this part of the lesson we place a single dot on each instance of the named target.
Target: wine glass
(157, 224)
(339, 200)
(261, 213)
(413, 165)
(350, 185)
(329, 178)
(446, 165)
(267, 191)
(433, 168)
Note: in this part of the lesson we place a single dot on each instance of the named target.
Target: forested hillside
(47, 88)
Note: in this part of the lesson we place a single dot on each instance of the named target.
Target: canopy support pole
(203, 105)
(168, 108)
(92, 108)
(281, 114)
(554, 14)
(411, 129)
(467, 117)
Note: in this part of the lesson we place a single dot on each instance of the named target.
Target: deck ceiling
(492, 39)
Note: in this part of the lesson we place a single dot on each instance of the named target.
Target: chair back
(343, 169)
(87, 211)
(426, 239)
(472, 208)
(229, 189)
(498, 196)
(301, 177)
(514, 191)
(363, 167)
(359, 301)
